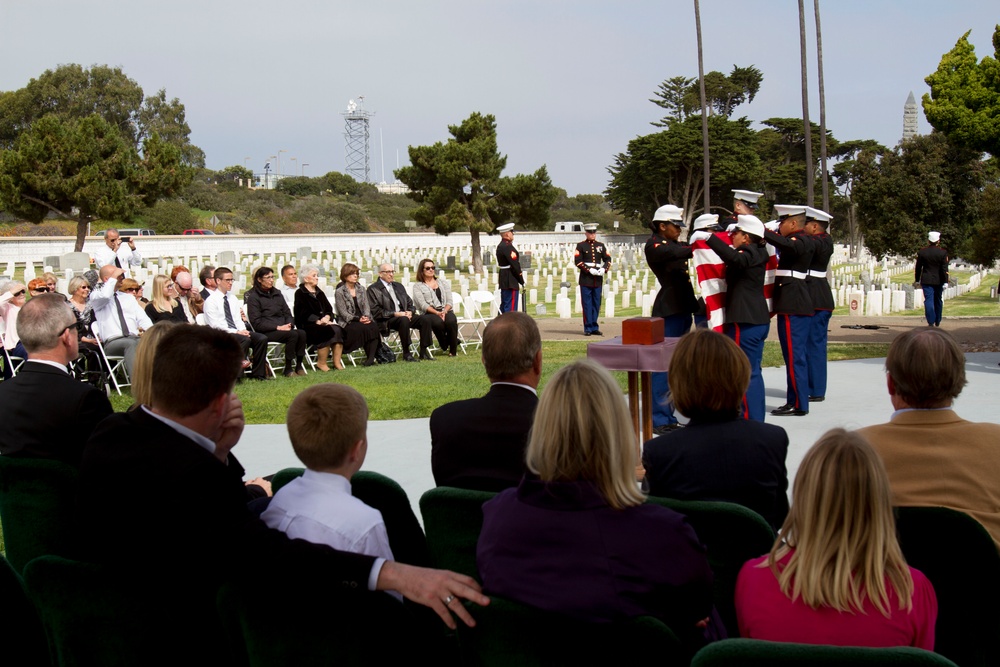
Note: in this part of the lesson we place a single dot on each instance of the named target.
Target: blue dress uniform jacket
(932, 266)
(795, 254)
(745, 267)
(591, 254)
(819, 286)
(823, 305)
(668, 262)
(510, 266)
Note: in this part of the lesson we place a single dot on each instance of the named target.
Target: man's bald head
(110, 271)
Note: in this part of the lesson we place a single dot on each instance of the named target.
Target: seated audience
(933, 456)
(479, 443)
(46, 412)
(145, 353)
(575, 537)
(184, 286)
(327, 424)
(269, 315)
(223, 312)
(37, 286)
(354, 315)
(289, 285)
(120, 318)
(207, 279)
(836, 574)
(133, 288)
(51, 281)
(314, 315)
(432, 299)
(392, 308)
(11, 301)
(165, 305)
(719, 455)
(79, 299)
(196, 304)
(186, 437)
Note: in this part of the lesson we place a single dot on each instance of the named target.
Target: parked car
(198, 232)
(131, 231)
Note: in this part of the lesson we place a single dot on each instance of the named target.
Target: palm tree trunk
(704, 110)
(822, 111)
(810, 187)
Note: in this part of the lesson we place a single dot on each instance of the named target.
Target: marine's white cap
(590, 227)
(669, 213)
(507, 227)
(750, 224)
(748, 196)
(934, 237)
(818, 215)
(784, 210)
(705, 221)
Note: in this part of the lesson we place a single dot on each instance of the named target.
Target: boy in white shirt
(327, 424)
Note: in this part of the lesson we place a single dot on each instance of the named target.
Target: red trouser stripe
(791, 359)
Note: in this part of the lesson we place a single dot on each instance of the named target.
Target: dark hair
(420, 269)
(348, 269)
(192, 367)
(709, 374)
(221, 271)
(285, 268)
(259, 274)
(207, 273)
(510, 343)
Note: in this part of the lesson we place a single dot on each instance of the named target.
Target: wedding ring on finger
(447, 600)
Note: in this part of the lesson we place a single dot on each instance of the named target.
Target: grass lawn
(406, 391)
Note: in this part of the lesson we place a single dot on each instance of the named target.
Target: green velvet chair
(756, 653)
(406, 538)
(453, 519)
(732, 534)
(37, 508)
(960, 559)
(23, 638)
(508, 633)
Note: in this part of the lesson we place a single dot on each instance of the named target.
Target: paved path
(856, 397)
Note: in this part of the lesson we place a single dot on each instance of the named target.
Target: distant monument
(910, 118)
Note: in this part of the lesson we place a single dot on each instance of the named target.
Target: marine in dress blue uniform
(593, 260)
(817, 224)
(792, 304)
(510, 269)
(675, 302)
(932, 275)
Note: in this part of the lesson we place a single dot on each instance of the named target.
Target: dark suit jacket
(932, 266)
(668, 260)
(745, 268)
(735, 460)
(48, 415)
(381, 303)
(479, 443)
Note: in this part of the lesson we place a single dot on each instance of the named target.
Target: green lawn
(405, 391)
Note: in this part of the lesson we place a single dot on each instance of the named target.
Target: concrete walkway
(856, 397)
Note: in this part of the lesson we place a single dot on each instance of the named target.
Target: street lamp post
(280, 151)
(304, 165)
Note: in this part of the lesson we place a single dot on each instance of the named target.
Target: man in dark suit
(931, 273)
(184, 440)
(46, 413)
(392, 308)
(479, 443)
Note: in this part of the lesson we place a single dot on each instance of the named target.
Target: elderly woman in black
(354, 315)
(268, 314)
(314, 315)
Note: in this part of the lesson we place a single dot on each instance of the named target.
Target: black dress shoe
(410, 357)
(598, 333)
(817, 399)
(788, 410)
(424, 356)
(587, 333)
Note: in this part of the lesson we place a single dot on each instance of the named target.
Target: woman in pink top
(836, 575)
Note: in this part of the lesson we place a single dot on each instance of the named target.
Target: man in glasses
(222, 311)
(184, 283)
(510, 269)
(47, 327)
(392, 308)
(117, 252)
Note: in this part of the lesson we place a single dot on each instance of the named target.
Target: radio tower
(356, 138)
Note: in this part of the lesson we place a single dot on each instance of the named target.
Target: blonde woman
(836, 575)
(575, 536)
(165, 306)
(142, 371)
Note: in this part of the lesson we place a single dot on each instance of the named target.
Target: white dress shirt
(215, 311)
(289, 294)
(126, 256)
(102, 300)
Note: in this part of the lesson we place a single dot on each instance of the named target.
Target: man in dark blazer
(48, 414)
(392, 308)
(479, 443)
(931, 273)
(183, 441)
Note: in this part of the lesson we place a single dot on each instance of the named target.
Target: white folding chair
(475, 318)
(12, 362)
(114, 364)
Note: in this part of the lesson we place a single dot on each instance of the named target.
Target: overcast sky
(568, 81)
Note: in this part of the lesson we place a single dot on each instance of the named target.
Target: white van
(569, 227)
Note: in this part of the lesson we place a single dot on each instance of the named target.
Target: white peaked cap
(509, 227)
(788, 209)
(934, 237)
(750, 224)
(669, 213)
(705, 221)
(817, 214)
(749, 196)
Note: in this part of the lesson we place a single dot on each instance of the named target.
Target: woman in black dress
(314, 315)
(354, 314)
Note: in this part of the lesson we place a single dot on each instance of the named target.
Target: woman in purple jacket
(575, 536)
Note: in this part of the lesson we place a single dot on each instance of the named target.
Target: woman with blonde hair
(837, 575)
(575, 537)
(142, 370)
(164, 306)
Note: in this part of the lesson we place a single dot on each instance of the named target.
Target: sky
(567, 80)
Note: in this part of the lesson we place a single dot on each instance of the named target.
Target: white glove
(772, 226)
(594, 272)
(699, 235)
(600, 271)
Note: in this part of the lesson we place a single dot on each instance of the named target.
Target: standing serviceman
(817, 226)
(593, 260)
(932, 276)
(744, 203)
(510, 269)
(675, 302)
(792, 304)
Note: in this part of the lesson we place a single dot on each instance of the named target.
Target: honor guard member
(744, 203)
(675, 302)
(932, 275)
(817, 225)
(792, 304)
(709, 224)
(510, 269)
(593, 260)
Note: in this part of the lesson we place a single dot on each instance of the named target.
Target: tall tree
(167, 118)
(844, 173)
(672, 96)
(822, 111)
(964, 101)
(704, 110)
(926, 183)
(667, 168)
(459, 186)
(681, 96)
(782, 149)
(806, 124)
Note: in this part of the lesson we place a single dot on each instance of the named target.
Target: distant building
(910, 118)
(396, 188)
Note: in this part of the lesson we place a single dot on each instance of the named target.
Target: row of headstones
(895, 298)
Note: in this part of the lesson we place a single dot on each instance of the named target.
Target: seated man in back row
(392, 308)
(479, 443)
(223, 312)
(934, 457)
(119, 317)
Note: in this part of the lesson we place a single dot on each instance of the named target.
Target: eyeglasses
(40, 290)
(17, 294)
(387, 272)
(68, 327)
(430, 268)
(84, 287)
(269, 276)
(132, 290)
(224, 280)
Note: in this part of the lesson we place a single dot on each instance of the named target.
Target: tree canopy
(82, 144)
(681, 96)
(459, 186)
(964, 101)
